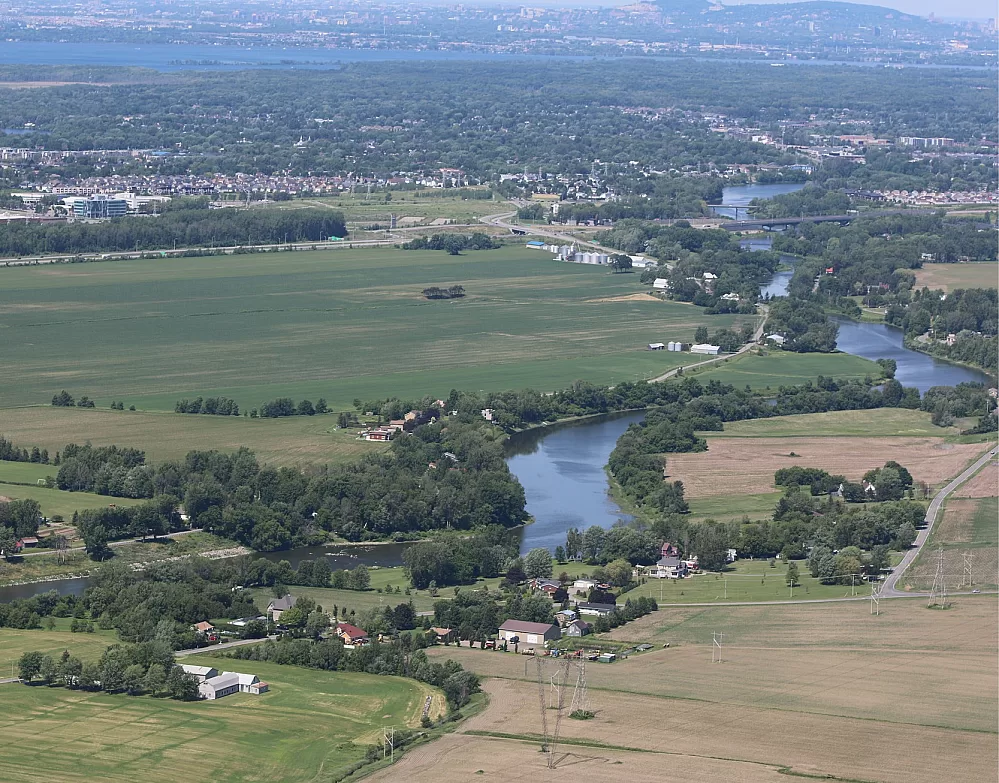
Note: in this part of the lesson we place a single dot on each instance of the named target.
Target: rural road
(888, 589)
(178, 534)
(218, 647)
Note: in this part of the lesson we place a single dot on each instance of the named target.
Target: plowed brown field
(733, 466)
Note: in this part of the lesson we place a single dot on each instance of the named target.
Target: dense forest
(189, 224)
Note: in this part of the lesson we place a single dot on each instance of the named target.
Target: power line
(968, 579)
(938, 596)
(716, 646)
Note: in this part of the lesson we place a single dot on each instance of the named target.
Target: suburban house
(577, 628)
(547, 586)
(445, 635)
(669, 568)
(565, 617)
(200, 673)
(529, 633)
(669, 550)
(598, 610)
(203, 627)
(351, 635)
(279, 606)
(583, 586)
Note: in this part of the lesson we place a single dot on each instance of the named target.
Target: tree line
(187, 226)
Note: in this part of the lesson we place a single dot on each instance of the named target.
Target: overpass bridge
(770, 224)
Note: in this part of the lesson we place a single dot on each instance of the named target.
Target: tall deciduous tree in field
(791, 578)
(538, 564)
(29, 665)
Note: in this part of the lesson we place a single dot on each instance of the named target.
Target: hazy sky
(978, 9)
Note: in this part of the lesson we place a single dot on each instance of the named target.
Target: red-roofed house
(351, 634)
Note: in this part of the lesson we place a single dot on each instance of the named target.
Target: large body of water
(172, 57)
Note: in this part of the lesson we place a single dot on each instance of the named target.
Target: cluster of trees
(454, 560)
(211, 406)
(410, 489)
(18, 518)
(123, 668)
(451, 292)
(65, 400)
(28, 612)
(810, 200)
(453, 243)
(10, 452)
(947, 403)
(285, 406)
(804, 324)
(190, 224)
(890, 482)
(403, 657)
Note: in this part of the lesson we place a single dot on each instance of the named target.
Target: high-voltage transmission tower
(938, 596)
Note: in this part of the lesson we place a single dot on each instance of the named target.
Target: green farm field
(57, 501)
(14, 642)
(334, 324)
(403, 204)
(883, 422)
(311, 726)
(163, 436)
(778, 368)
(951, 276)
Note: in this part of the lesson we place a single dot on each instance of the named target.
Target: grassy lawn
(14, 642)
(165, 436)
(25, 472)
(778, 368)
(726, 507)
(747, 580)
(310, 726)
(334, 324)
(57, 501)
(951, 276)
(883, 422)
(403, 204)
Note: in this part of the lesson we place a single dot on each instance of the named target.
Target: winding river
(561, 467)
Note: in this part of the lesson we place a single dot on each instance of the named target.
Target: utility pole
(876, 598)
(968, 580)
(938, 596)
(388, 741)
(716, 646)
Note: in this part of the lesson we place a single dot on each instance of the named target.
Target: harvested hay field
(984, 570)
(947, 277)
(985, 484)
(799, 690)
(456, 758)
(733, 466)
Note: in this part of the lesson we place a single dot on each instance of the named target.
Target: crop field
(311, 725)
(733, 466)
(799, 690)
(294, 440)
(333, 324)
(778, 368)
(404, 204)
(883, 422)
(950, 276)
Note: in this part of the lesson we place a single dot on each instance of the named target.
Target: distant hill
(825, 8)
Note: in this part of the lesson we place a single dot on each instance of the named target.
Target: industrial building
(99, 207)
(711, 350)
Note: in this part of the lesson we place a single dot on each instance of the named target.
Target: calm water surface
(741, 195)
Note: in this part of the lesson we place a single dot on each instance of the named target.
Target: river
(739, 196)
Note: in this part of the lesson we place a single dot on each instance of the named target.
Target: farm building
(656, 346)
(660, 284)
(200, 673)
(674, 346)
(777, 339)
(280, 605)
(227, 683)
(704, 348)
(529, 633)
(577, 628)
(535, 245)
(377, 434)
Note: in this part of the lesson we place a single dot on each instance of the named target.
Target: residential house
(279, 606)
(668, 568)
(203, 627)
(351, 634)
(597, 610)
(565, 617)
(669, 550)
(731, 555)
(379, 433)
(583, 586)
(660, 284)
(523, 632)
(445, 635)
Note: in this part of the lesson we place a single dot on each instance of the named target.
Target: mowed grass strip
(311, 725)
(15, 642)
(57, 501)
(259, 326)
(296, 440)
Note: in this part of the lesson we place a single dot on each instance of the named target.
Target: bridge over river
(769, 224)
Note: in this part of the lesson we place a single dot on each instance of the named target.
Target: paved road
(218, 647)
(888, 589)
(501, 221)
